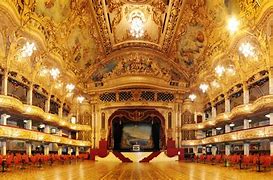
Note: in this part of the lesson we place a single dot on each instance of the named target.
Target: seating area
(17, 161)
(255, 162)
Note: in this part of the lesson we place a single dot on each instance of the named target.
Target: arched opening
(141, 128)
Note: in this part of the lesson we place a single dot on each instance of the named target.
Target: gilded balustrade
(17, 133)
(262, 104)
(247, 134)
(13, 104)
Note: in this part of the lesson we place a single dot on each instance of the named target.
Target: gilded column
(5, 84)
(30, 94)
(227, 104)
(246, 93)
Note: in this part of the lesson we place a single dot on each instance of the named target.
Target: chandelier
(70, 87)
(54, 72)
(219, 70)
(247, 50)
(204, 87)
(192, 97)
(28, 49)
(137, 24)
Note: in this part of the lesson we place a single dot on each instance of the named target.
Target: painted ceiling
(184, 39)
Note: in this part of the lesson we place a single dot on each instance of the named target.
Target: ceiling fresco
(136, 64)
(179, 41)
(74, 29)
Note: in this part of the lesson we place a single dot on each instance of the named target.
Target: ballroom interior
(136, 89)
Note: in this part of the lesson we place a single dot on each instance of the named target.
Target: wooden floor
(157, 171)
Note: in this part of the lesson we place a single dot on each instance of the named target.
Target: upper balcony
(247, 134)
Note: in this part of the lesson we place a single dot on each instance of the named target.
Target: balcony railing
(246, 134)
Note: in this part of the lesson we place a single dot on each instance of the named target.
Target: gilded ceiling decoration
(136, 64)
(177, 41)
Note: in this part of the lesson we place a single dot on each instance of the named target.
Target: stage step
(121, 157)
(150, 157)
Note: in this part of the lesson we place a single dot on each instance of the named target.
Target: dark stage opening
(137, 134)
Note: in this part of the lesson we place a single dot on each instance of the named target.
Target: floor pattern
(134, 171)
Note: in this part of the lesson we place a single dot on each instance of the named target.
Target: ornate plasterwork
(247, 134)
(17, 133)
(112, 19)
(136, 64)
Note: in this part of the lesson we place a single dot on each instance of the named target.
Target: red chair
(246, 161)
(266, 163)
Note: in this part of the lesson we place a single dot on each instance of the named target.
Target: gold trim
(17, 133)
(262, 104)
(14, 105)
(255, 133)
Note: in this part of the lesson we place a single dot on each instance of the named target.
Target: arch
(137, 115)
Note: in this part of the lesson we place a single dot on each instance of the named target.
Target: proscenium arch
(127, 113)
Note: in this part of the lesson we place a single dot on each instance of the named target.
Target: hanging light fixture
(80, 99)
(233, 25)
(219, 70)
(192, 97)
(247, 50)
(204, 87)
(55, 72)
(137, 24)
(70, 87)
(28, 49)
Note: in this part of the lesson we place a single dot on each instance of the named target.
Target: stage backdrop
(137, 134)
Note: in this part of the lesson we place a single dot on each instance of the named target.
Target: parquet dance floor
(135, 171)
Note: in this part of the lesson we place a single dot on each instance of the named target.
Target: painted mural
(74, 29)
(137, 134)
(82, 47)
(58, 10)
(136, 65)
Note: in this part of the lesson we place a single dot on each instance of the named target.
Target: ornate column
(227, 149)
(270, 81)
(60, 132)
(227, 104)
(213, 132)
(245, 93)
(46, 149)
(227, 128)
(4, 147)
(46, 129)
(213, 150)
(69, 150)
(28, 124)
(246, 123)
(47, 103)
(4, 118)
(77, 150)
(30, 95)
(60, 149)
(271, 119)
(5, 84)
(28, 148)
(60, 110)
(246, 148)
(213, 111)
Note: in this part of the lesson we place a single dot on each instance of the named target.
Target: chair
(266, 162)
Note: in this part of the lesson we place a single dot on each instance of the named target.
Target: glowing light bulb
(219, 70)
(204, 87)
(80, 99)
(28, 49)
(192, 97)
(54, 72)
(70, 87)
(247, 50)
(233, 24)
